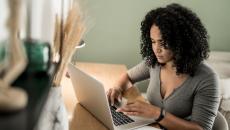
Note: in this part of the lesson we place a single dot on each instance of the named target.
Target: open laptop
(91, 95)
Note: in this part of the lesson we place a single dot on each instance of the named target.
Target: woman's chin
(160, 61)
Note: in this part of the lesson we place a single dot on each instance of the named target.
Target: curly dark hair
(182, 32)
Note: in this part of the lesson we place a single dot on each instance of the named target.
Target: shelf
(37, 86)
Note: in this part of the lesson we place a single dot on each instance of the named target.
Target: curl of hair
(182, 31)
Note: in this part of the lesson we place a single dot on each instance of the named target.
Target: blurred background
(114, 35)
(114, 27)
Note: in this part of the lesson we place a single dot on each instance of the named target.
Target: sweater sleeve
(139, 72)
(206, 102)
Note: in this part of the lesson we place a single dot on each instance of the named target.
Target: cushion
(220, 62)
(225, 88)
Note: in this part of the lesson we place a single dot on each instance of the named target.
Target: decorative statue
(13, 98)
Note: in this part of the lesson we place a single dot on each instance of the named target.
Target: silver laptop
(91, 95)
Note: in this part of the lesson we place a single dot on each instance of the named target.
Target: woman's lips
(159, 57)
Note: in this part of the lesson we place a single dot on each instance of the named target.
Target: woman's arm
(135, 74)
(204, 108)
(171, 122)
(115, 93)
(123, 82)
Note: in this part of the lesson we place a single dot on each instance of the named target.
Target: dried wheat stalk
(74, 29)
(57, 41)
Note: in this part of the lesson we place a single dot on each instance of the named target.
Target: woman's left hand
(140, 108)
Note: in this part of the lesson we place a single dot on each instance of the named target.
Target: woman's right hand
(114, 94)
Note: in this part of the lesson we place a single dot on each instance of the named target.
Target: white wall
(42, 18)
(3, 17)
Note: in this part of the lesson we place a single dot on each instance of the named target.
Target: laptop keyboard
(119, 118)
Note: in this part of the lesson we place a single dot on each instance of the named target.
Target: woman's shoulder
(204, 69)
(205, 74)
(206, 79)
(145, 65)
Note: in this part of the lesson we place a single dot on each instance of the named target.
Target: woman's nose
(158, 49)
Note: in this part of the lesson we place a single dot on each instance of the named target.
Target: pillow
(225, 88)
(220, 62)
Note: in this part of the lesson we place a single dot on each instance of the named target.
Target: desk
(80, 118)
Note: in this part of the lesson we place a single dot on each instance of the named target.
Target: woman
(182, 91)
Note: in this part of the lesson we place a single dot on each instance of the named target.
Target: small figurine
(13, 98)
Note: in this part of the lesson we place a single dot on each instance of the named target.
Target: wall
(114, 35)
(42, 19)
(3, 17)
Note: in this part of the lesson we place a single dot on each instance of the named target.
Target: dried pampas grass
(73, 31)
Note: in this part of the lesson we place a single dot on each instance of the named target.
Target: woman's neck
(170, 66)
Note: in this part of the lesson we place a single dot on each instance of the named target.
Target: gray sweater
(197, 99)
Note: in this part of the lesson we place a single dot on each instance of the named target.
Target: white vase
(54, 115)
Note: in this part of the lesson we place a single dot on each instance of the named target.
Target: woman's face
(163, 54)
